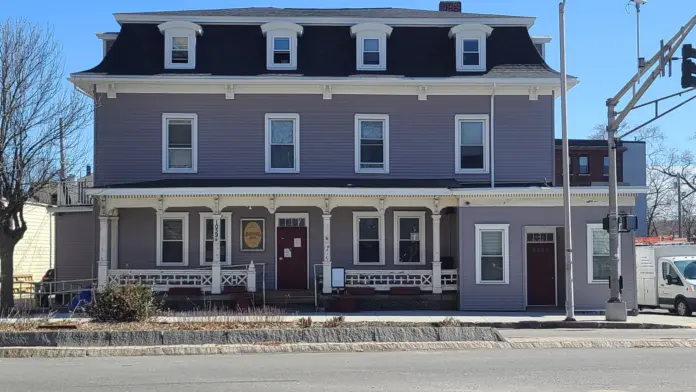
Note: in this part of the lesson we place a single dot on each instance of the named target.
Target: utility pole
(570, 292)
(679, 207)
(615, 308)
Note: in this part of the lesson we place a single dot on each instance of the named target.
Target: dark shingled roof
(325, 12)
(323, 51)
(315, 183)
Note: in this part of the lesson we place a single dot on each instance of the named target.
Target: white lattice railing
(385, 280)
(162, 280)
(449, 280)
(234, 278)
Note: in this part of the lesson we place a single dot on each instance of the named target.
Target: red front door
(291, 245)
(541, 274)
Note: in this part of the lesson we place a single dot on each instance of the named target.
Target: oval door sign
(252, 235)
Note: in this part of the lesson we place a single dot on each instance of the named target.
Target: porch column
(103, 262)
(216, 270)
(114, 242)
(251, 277)
(437, 265)
(326, 263)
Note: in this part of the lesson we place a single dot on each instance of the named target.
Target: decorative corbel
(229, 91)
(422, 93)
(436, 205)
(271, 204)
(533, 93)
(327, 205)
(326, 89)
(102, 206)
(160, 205)
(111, 90)
(216, 205)
(382, 204)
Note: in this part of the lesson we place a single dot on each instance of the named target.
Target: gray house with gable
(263, 147)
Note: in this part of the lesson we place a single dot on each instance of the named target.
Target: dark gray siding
(511, 296)
(231, 135)
(75, 246)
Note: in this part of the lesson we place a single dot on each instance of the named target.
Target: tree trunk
(7, 248)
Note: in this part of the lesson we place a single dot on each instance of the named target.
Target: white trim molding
(591, 227)
(484, 119)
(470, 32)
(356, 236)
(504, 229)
(295, 118)
(227, 217)
(371, 31)
(166, 118)
(282, 31)
(422, 237)
(184, 217)
(180, 29)
(384, 118)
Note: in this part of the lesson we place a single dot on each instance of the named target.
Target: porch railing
(163, 280)
(450, 279)
(73, 193)
(384, 280)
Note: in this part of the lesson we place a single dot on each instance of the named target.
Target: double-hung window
(371, 143)
(409, 237)
(492, 254)
(172, 239)
(282, 143)
(471, 134)
(368, 238)
(371, 46)
(598, 255)
(470, 46)
(281, 50)
(207, 238)
(606, 166)
(180, 44)
(471, 53)
(179, 143)
(370, 52)
(584, 164)
(180, 50)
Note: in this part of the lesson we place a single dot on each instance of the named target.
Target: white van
(666, 277)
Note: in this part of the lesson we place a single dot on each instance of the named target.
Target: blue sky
(600, 40)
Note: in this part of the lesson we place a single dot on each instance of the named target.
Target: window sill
(210, 264)
(471, 171)
(491, 283)
(366, 264)
(161, 264)
(400, 263)
(281, 67)
(471, 69)
(180, 171)
(282, 171)
(180, 66)
(372, 171)
(606, 282)
(371, 68)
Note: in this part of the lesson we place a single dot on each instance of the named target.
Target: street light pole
(570, 298)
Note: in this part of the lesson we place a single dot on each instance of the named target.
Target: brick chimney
(451, 6)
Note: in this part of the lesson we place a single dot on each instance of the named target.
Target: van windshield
(687, 268)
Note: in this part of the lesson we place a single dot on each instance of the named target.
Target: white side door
(670, 285)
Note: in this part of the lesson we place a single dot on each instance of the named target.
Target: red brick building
(589, 163)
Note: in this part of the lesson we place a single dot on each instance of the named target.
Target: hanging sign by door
(252, 235)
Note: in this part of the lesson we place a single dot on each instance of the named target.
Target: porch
(221, 244)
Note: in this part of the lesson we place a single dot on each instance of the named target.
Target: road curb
(72, 352)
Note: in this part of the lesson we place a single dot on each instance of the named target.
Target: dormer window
(281, 45)
(371, 46)
(180, 44)
(470, 46)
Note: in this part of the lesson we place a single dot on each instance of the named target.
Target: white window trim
(486, 143)
(376, 31)
(421, 232)
(275, 30)
(160, 221)
(194, 142)
(470, 32)
(204, 216)
(356, 235)
(372, 117)
(180, 29)
(505, 228)
(590, 260)
(296, 140)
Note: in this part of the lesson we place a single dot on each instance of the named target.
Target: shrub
(304, 322)
(128, 303)
(334, 322)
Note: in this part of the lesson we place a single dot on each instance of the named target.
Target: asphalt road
(476, 370)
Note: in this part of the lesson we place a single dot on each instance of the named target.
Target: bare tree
(33, 99)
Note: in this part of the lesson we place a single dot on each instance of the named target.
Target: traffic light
(688, 66)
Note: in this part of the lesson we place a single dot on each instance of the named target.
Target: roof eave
(314, 20)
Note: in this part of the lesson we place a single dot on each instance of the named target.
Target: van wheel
(682, 307)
